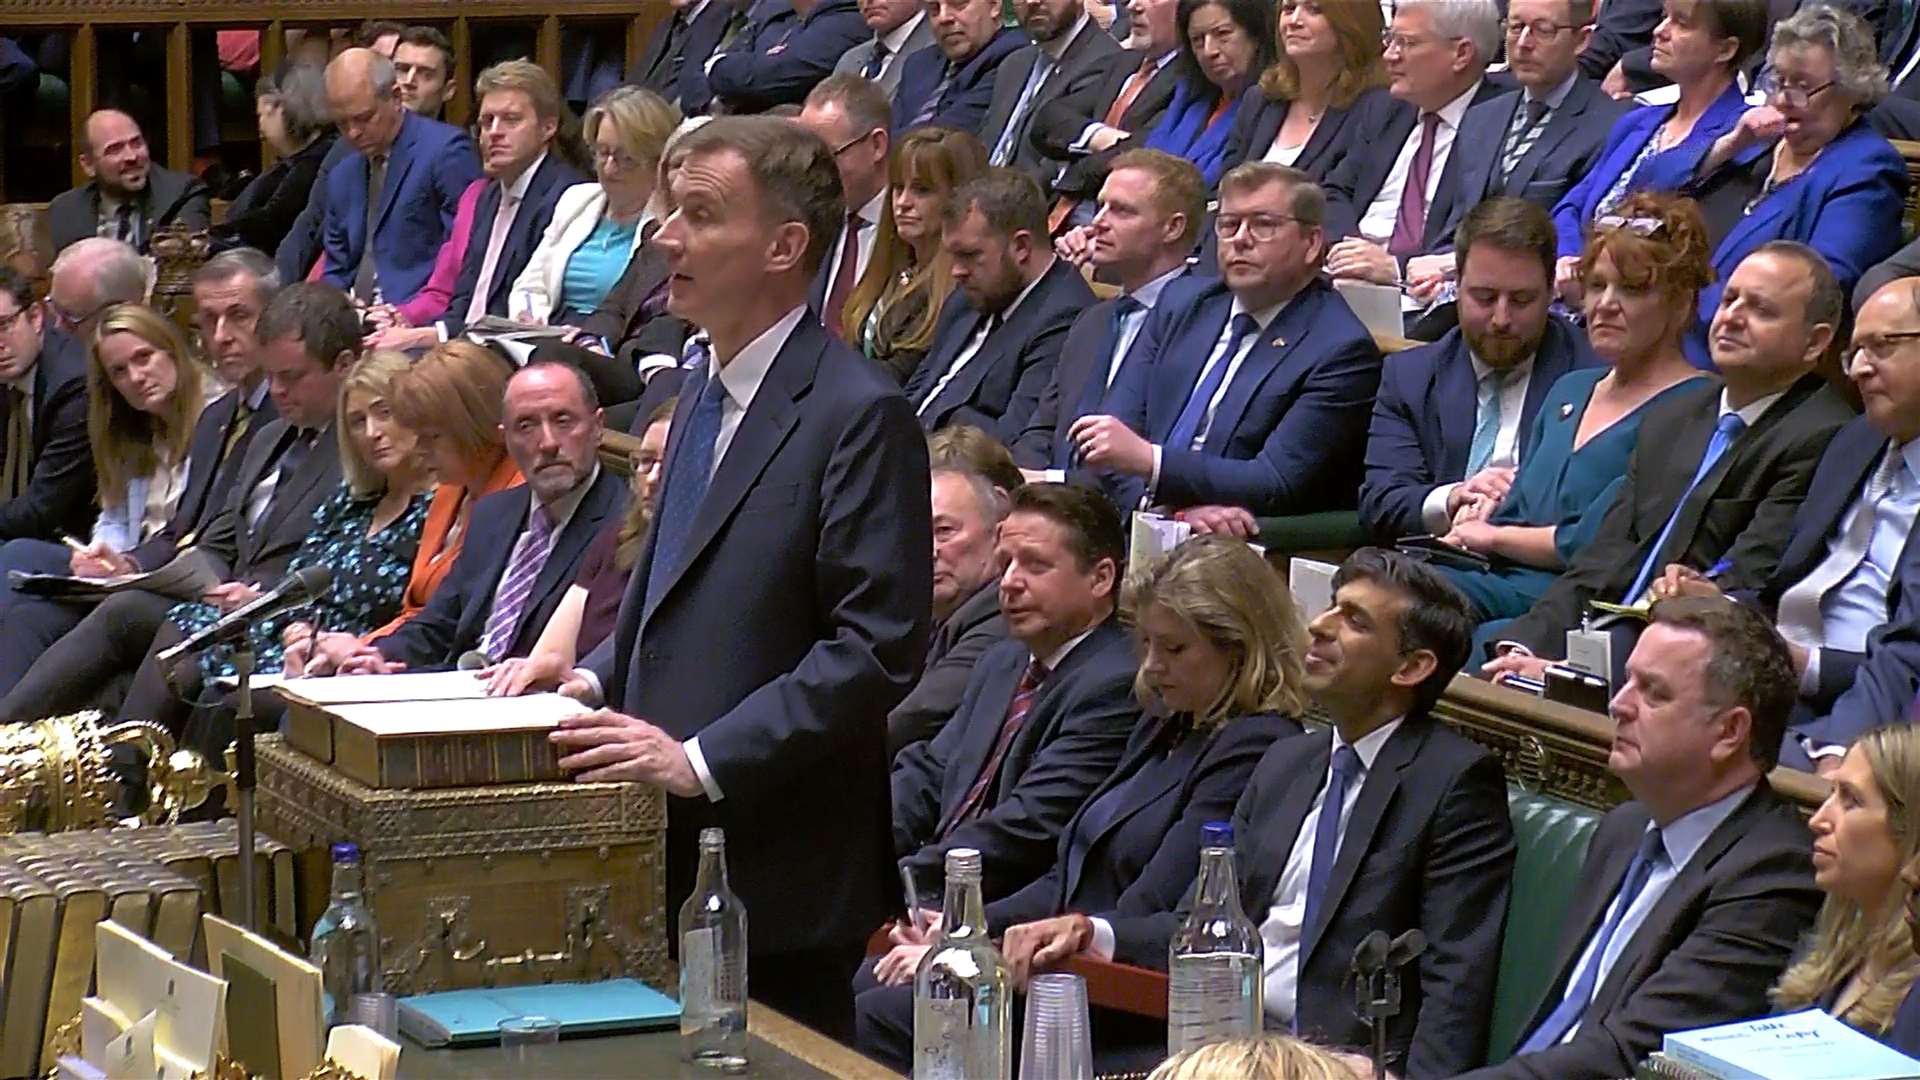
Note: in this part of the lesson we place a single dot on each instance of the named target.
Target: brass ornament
(54, 773)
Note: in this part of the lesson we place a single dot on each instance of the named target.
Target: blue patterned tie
(876, 61)
(1579, 995)
(1724, 433)
(686, 482)
(1188, 427)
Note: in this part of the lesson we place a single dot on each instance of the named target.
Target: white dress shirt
(870, 217)
(1506, 441)
(1851, 610)
(896, 39)
(1262, 319)
(1148, 295)
(1377, 222)
(979, 339)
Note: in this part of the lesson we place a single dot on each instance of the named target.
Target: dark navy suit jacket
(209, 477)
(1623, 34)
(1287, 437)
(1360, 176)
(1001, 385)
(1058, 124)
(804, 527)
(703, 37)
(782, 60)
(662, 66)
(963, 106)
(1070, 741)
(59, 494)
(430, 164)
(1149, 846)
(1423, 420)
(456, 614)
(1337, 133)
(1564, 152)
(529, 223)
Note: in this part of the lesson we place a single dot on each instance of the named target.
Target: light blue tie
(1486, 429)
(1189, 426)
(1724, 433)
(1579, 995)
(1007, 145)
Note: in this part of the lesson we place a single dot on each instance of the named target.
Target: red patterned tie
(1410, 224)
(843, 276)
(1016, 715)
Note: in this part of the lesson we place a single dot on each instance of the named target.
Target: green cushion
(1312, 532)
(1551, 836)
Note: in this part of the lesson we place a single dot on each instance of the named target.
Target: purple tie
(511, 599)
(1410, 224)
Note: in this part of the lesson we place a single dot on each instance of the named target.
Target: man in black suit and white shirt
(850, 115)
(1067, 44)
(1695, 893)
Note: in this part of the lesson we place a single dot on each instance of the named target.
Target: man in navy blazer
(1245, 396)
(681, 41)
(777, 62)
(1000, 333)
(950, 84)
(51, 472)
(1067, 47)
(423, 165)
(1451, 418)
(1152, 208)
(783, 543)
(1423, 839)
(1046, 713)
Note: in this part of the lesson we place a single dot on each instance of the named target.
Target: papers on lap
(186, 577)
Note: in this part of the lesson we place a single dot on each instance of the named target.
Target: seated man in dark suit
(524, 545)
(309, 336)
(681, 40)
(1248, 395)
(973, 483)
(519, 118)
(1152, 207)
(1695, 893)
(1422, 838)
(389, 204)
(900, 29)
(777, 62)
(126, 196)
(1046, 713)
(951, 83)
(46, 468)
(1619, 51)
(1067, 46)
(1000, 333)
(1717, 486)
(850, 115)
(1451, 417)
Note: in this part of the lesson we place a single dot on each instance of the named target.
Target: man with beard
(126, 197)
(1068, 47)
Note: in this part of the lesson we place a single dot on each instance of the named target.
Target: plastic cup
(521, 1037)
(1055, 1044)
(381, 1012)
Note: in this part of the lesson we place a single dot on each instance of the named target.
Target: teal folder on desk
(472, 1017)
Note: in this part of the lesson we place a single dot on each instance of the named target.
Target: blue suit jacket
(1847, 205)
(536, 210)
(1069, 742)
(1423, 420)
(963, 106)
(804, 526)
(1904, 1035)
(1150, 846)
(456, 614)
(430, 164)
(1288, 435)
(783, 59)
(1565, 151)
(1001, 385)
(1386, 124)
(1665, 171)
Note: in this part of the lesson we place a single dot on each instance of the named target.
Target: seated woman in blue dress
(1224, 45)
(1807, 165)
(1859, 962)
(1221, 678)
(1702, 46)
(1320, 97)
(1638, 275)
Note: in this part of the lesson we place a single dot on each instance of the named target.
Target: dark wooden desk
(779, 1049)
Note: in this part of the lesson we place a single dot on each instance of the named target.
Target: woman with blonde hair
(1220, 679)
(1859, 962)
(1325, 93)
(145, 391)
(895, 308)
(1269, 1057)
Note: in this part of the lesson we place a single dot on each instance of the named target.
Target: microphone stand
(246, 776)
(1376, 985)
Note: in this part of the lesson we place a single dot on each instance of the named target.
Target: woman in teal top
(1640, 272)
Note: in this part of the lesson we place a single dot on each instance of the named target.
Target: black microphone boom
(303, 586)
(1405, 948)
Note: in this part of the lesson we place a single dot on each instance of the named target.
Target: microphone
(473, 660)
(1372, 952)
(303, 586)
(1405, 948)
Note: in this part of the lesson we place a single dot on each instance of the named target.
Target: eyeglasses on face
(1878, 348)
(1789, 94)
(1260, 227)
(1541, 29)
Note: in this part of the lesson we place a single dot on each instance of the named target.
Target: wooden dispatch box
(498, 885)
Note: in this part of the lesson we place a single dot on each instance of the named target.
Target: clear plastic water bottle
(1215, 962)
(962, 1028)
(346, 943)
(713, 964)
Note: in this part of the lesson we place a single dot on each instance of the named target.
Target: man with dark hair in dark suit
(1248, 395)
(1000, 333)
(1717, 486)
(1419, 837)
(46, 468)
(775, 61)
(126, 197)
(782, 497)
(1067, 46)
(950, 83)
(681, 40)
(1619, 51)
(1695, 893)
(1451, 418)
(1046, 714)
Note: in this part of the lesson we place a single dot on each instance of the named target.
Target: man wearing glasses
(850, 115)
(46, 469)
(1245, 396)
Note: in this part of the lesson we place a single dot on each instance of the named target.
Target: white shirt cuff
(1433, 509)
(1818, 750)
(1080, 145)
(712, 60)
(699, 763)
(1810, 678)
(1153, 481)
(440, 330)
(592, 680)
(1102, 944)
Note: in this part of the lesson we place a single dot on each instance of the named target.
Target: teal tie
(1486, 429)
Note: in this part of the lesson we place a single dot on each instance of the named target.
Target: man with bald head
(126, 197)
(390, 203)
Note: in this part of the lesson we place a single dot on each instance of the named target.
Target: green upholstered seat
(1551, 836)
(1328, 530)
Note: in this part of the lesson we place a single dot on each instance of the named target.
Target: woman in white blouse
(145, 391)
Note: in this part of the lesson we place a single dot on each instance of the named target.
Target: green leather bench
(1550, 836)
(1329, 531)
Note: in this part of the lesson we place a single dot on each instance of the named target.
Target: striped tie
(1017, 710)
(529, 557)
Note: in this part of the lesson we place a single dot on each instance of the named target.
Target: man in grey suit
(126, 197)
(1068, 47)
(900, 28)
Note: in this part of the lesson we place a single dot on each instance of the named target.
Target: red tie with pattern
(1023, 695)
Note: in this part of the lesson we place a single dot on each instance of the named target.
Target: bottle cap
(963, 862)
(713, 837)
(1216, 834)
(346, 851)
